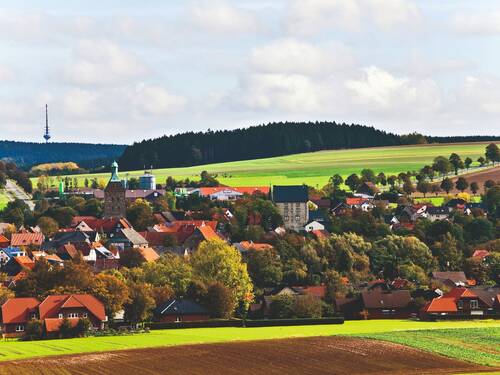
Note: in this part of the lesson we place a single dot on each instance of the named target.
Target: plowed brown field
(317, 355)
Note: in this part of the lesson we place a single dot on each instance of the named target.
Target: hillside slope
(315, 168)
(86, 155)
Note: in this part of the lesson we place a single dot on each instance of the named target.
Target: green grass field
(4, 199)
(11, 350)
(316, 168)
(477, 345)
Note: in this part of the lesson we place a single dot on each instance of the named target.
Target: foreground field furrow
(319, 355)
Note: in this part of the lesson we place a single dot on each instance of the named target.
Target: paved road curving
(14, 191)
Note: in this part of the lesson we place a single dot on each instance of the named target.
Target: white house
(314, 225)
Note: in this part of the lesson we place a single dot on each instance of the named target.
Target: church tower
(115, 204)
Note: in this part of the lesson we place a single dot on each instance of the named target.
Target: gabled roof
(25, 262)
(454, 276)
(51, 305)
(208, 233)
(356, 201)
(134, 237)
(248, 245)
(27, 239)
(320, 234)
(181, 307)
(441, 305)
(149, 254)
(480, 254)
(16, 310)
(3, 239)
(290, 194)
(379, 299)
(68, 250)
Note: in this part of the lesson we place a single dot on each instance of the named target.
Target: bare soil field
(481, 177)
(317, 355)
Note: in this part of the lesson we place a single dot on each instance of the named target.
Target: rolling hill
(315, 168)
(27, 154)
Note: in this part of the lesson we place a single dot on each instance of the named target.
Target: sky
(119, 71)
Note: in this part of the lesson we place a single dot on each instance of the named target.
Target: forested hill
(26, 154)
(251, 143)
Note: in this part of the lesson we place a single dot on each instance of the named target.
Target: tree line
(27, 154)
(273, 139)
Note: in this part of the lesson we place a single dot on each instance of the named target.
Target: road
(16, 192)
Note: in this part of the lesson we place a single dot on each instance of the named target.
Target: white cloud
(378, 90)
(81, 103)
(293, 92)
(6, 74)
(309, 16)
(101, 62)
(481, 92)
(290, 56)
(221, 17)
(312, 16)
(477, 23)
(157, 101)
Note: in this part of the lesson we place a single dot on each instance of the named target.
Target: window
(178, 319)
(20, 328)
(61, 316)
(474, 304)
(285, 218)
(73, 315)
(460, 304)
(297, 218)
(84, 315)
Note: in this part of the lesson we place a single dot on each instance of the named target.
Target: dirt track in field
(317, 355)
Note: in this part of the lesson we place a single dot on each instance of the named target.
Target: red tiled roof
(51, 305)
(316, 291)
(320, 234)
(16, 310)
(149, 254)
(27, 239)
(208, 233)
(441, 305)
(106, 225)
(480, 254)
(4, 241)
(247, 245)
(355, 201)
(25, 262)
(69, 249)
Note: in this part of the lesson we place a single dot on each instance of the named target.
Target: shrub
(82, 327)
(33, 331)
(65, 330)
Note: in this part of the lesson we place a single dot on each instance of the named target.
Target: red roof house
(459, 302)
(27, 239)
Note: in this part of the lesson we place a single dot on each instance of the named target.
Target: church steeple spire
(46, 136)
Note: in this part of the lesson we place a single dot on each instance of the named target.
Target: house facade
(291, 202)
(18, 312)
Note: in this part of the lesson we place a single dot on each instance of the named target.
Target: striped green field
(315, 168)
(477, 345)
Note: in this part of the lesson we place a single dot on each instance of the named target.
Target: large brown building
(292, 205)
(115, 203)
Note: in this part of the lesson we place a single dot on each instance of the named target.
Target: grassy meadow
(4, 199)
(315, 168)
(13, 349)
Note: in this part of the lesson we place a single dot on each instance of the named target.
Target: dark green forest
(27, 154)
(275, 139)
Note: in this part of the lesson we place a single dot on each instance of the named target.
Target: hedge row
(247, 323)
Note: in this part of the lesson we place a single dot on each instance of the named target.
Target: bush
(282, 307)
(307, 306)
(33, 331)
(82, 328)
(65, 330)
